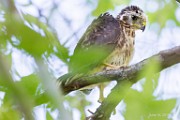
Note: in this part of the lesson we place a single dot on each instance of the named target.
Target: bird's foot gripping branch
(125, 78)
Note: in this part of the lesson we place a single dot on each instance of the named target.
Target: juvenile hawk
(108, 42)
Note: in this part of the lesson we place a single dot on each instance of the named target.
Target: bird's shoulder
(102, 31)
(96, 44)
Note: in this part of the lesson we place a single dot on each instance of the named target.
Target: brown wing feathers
(96, 44)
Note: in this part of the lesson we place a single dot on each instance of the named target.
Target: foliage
(145, 104)
(165, 16)
(104, 5)
(35, 39)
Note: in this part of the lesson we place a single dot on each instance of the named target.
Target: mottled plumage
(98, 41)
(108, 42)
(113, 35)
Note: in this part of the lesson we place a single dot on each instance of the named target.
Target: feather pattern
(99, 40)
(108, 43)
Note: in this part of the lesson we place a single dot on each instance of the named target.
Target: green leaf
(121, 2)
(105, 5)
(35, 41)
(7, 113)
(41, 99)
(48, 116)
(167, 12)
(79, 102)
(143, 105)
(30, 84)
(31, 41)
(159, 110)
(58, 49)
(102, 7)
(151, 78)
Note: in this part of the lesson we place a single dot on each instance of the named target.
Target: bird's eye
(134, 17)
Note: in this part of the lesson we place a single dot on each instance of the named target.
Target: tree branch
(166, 59)
(125, 78)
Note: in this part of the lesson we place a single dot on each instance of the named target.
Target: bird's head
(133, 17)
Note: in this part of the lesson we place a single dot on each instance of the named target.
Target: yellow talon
(101, 94)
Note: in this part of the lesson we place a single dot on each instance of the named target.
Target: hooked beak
(143, 26)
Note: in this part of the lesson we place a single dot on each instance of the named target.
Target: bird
(108, 43)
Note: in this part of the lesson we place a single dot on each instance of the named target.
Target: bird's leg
(101, 90)
(102, 86)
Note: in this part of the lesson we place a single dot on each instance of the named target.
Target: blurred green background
(38, 37)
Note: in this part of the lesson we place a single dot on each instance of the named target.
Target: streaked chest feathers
(123, 52)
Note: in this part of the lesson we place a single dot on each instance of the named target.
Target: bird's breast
(123, 52)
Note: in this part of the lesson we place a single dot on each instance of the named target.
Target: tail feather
(68, 78)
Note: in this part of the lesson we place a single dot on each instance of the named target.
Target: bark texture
(166, 59)
(125, 77)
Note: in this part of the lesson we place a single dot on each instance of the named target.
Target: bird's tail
(64, 81)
